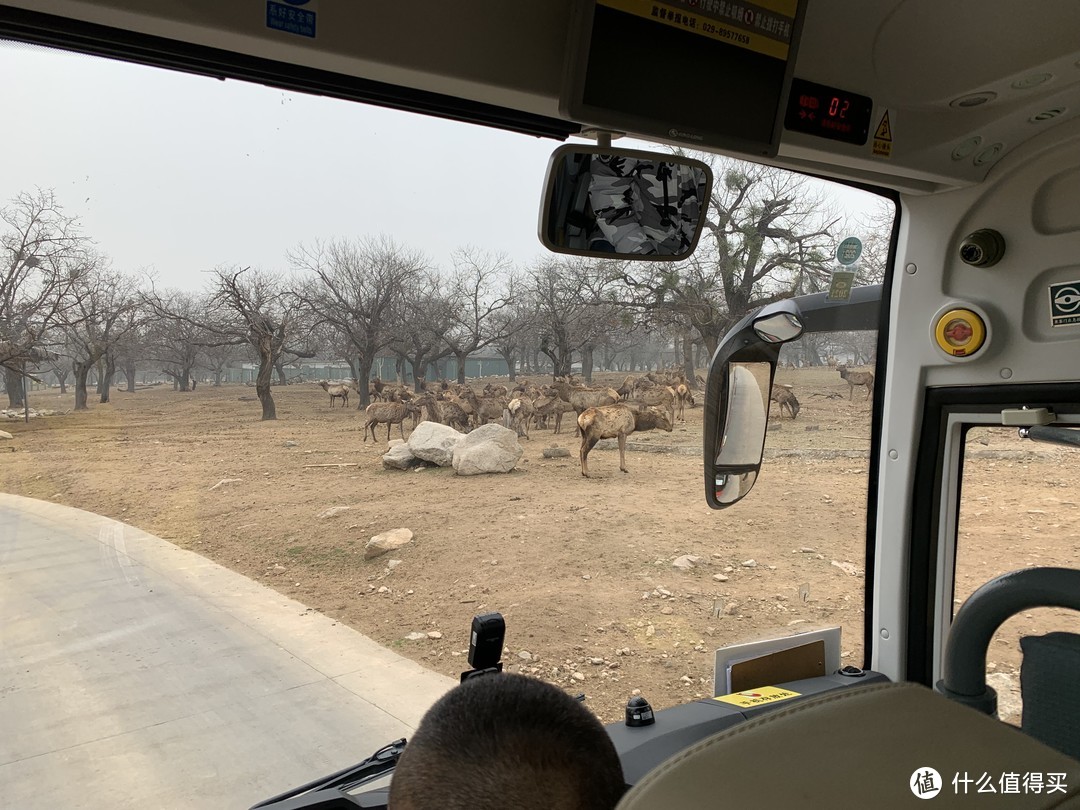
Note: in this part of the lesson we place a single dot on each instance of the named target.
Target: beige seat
(858, 748)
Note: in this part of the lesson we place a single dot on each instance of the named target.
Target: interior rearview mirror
(608, 203)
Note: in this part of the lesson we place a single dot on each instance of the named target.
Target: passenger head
(507, 741)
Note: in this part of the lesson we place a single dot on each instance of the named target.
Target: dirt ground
(581, 568)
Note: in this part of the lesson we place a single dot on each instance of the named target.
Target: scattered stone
(383, 589)
(578, 676)
(728, 569)
(586, 576)
(490, 448)
(387, 541)
(732, 608)
(525, 655)
(749, 564)
(392, 564)
(846, 567)
(434, 634)
(667, 610)
(333, 510)
(415, 636)
(434, 442)
(5, 435)
(596, 661)
(807, 550)
(686, 562)
(289, 444)
(650, 631)
(555, 452)
(400, 457)
(721, 577)
(686, 679)
(225, 481)
(663, 592)
(278, 567)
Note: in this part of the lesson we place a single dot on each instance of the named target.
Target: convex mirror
(606, 203)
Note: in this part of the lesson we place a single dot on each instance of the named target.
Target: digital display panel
(700, 72)
(827, 112)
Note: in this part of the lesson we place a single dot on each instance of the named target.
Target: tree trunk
(460, 366)
(419, 370)
(107, 378)
(688, 361)
(100, 385)
(587, 363)
(61, 378)
(280, 367)
(13, 382)
(352, 369)
(262, 388)
(82, 371)
(511, 364)
(183, 378)
(129, 376)
(217, 377)
(399, 369)
(363, 380)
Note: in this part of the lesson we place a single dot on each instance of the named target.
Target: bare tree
(42, 255)
(102, 312)
(574, 300)
(256, 308)
(766, 238)
(178, 336)
(477, 296)
(424, 319)
(354, 287)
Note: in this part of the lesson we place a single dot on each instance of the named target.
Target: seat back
(864, 747)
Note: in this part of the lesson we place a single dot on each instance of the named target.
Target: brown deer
(853, 378)
(783, 396)
(387, 413)
(337, 391)
(617, 421)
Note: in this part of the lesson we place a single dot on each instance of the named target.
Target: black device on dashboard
(485, 645)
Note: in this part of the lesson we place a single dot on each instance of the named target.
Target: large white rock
(387, 541)
(488, 449)
(5, 435)
(434, 442)
(400, 457)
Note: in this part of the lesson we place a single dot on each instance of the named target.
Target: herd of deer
(653, 401)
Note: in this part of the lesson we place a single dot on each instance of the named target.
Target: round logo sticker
(925, 783)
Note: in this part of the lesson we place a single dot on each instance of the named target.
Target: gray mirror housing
(607, 203)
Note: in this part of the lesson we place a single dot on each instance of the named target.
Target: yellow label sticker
(757, 697)
(765, 27)
(883, 137)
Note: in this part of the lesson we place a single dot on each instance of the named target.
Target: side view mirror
(606, 203)
(737, 400)
(740, 382)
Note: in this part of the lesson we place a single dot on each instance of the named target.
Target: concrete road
(135, 674)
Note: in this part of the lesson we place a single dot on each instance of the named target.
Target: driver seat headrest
(861, 746)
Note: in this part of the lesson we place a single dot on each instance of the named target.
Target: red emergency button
(960, 332)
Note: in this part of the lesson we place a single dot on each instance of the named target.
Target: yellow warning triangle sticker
(884, 130)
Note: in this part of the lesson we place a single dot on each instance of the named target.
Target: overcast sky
(176, 173)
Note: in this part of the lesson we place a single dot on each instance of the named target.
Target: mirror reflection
(624, 204)
(778, 328)
(743, 438)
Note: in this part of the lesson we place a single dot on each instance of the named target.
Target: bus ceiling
(915, 95)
